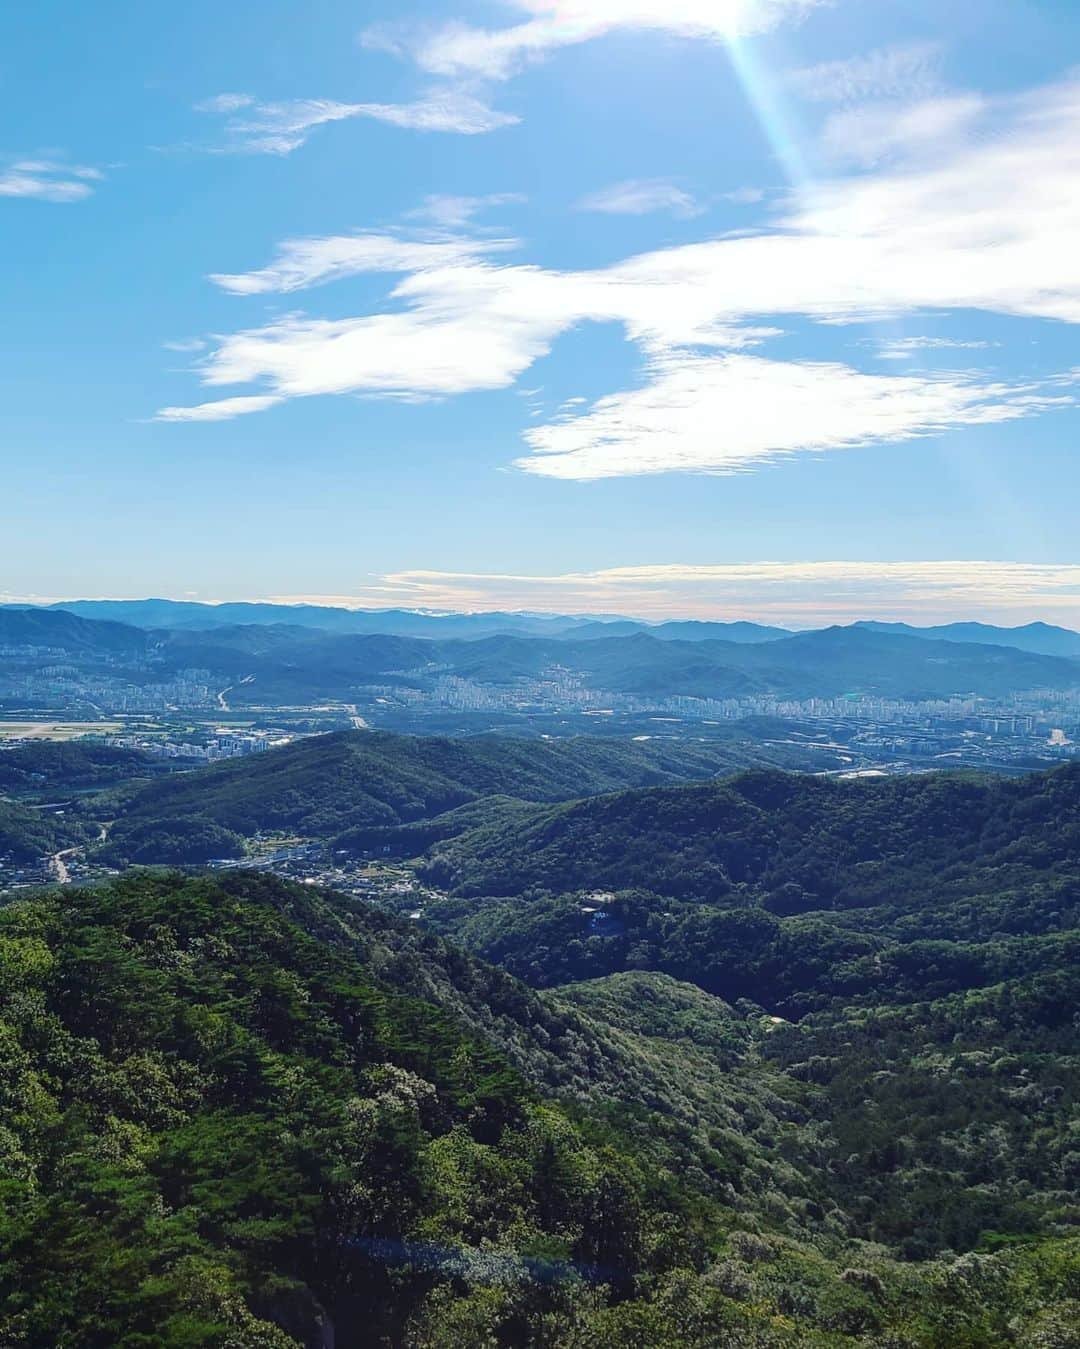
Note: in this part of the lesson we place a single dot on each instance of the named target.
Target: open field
(56, 730)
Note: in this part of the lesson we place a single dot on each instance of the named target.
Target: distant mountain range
(291, 663)
(176, 614)
(156, 613)
(689, 631)
(1042, 638)
(68, 632)
(1039, 638)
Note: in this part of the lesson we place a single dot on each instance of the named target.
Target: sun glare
(704, 18)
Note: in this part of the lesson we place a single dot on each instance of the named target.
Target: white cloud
(797, 593)
(385, 354)
(48, 180)
(792, 593)
(641, 197)
(952, 233)
(744, 196)
(909, 71)
(185, 344)
(457, 213)
(274, 128)
(457, 50)
(280, 128)
(225, 103)
(223, 410)
(443, 110)
(869, 133)
(904, 348)
(302, 263)
(724, 414)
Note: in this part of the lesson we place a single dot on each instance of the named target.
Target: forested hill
(53, 629)
(797, 892)
(221, 1131)
(837, 843)
(45, 766)
(243, 1115)
(330, 783)
(27, 834)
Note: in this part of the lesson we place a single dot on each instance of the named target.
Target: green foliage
(27, 834)
(350, 781)
(904, 958)
(185, 841)
(788, 890)
(49, 766)
(228, 1121)
(213, 1120)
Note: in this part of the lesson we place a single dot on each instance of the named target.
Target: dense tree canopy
(230, 1121)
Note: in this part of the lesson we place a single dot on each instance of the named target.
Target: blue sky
(761, 308)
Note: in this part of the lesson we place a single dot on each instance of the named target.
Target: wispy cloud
(48, 180)
(185, 344)
(641, 197)
(269, 128)
(866, 134)
(909, 71)
(225, 103)
(458, 51)
(302, 263)
(457, 213)
(905, 348)
(949, 232)
(725, 414)
(224, 410)
(797, 593)
(894, 101)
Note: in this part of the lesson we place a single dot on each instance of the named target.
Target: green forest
(238, 1113)
(798, 892)
(329, 784)
(669, 1059)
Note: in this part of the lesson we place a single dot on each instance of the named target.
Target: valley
(755, 1030)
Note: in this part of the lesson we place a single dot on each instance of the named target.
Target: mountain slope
(70, 633)
(222, 1131)
(756, 828)
(796, 892)
(27, 835)
(285, 661)
(855, 659)
(231, 1123)
(50, 766)
(327, 784)
(689, 630)
(830, 663)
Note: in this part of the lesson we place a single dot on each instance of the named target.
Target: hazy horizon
(719, 617)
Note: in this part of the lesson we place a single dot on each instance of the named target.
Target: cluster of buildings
(19, 875)
(9, 651)
(224, 745)
(65, 686)
(1028, 714)
(557, 688)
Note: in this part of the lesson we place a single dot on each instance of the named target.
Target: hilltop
(326, 785)
(794, 891)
